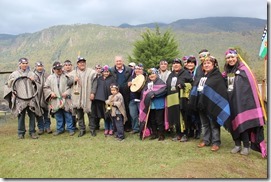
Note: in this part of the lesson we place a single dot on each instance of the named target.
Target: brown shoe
(215, 148)
(40, 132)
(34, 136)
(49, 131)
(202, 144)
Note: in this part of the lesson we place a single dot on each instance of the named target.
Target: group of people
(189, 100)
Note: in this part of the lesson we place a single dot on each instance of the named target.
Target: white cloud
(32, 15)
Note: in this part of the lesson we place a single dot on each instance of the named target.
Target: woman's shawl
(177, 98)
(51, 85)
(86, 86)
(159, 88)
(246, 110)
(16, 104)
(213, 99)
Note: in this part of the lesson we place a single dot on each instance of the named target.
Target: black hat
(57, 65)
(81, 59)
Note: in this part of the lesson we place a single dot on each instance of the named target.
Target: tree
(154, 47)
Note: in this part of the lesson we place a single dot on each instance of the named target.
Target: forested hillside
(99, 44)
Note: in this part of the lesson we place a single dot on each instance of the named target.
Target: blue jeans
(108, 124)
(44, 121)
(60, 115)
(21, 122)
(134, 113)
(118, 123)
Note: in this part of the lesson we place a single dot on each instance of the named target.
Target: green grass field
(67, 156)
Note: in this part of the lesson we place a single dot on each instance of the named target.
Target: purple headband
(231, 52)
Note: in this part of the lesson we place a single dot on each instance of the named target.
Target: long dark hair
(231, 69)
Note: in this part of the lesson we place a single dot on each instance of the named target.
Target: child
(118, 113)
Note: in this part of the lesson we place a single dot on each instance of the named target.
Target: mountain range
(99, 44)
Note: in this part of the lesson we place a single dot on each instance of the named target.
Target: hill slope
(99, 44)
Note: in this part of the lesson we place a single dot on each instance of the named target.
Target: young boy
(118, 113)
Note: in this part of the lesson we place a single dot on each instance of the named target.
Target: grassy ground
(67, 156)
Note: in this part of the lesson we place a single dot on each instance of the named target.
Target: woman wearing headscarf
(247, 113)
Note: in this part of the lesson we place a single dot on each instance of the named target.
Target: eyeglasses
(24, 63)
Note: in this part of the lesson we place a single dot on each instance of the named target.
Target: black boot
(154, 135)
(81, 133)
(161, 136)
(93, 133)
(197, 134)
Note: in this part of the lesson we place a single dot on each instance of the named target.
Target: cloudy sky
(28, 16)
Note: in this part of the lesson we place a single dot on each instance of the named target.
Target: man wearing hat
(57, 93)
(19, 106)
(178, 88)
(44, 122)
(85, 85)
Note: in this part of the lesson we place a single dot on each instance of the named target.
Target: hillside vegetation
(100, 44)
